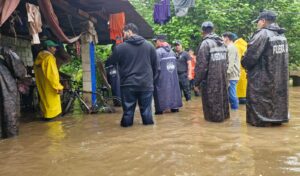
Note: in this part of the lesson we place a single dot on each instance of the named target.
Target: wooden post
(88, 70)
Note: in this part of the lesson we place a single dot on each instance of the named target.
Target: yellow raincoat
(47, 81)
(241, 45)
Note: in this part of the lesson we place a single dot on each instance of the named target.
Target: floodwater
(179, 144)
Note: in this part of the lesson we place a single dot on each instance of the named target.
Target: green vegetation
(74, 67)
(227, 15)
(103, 52)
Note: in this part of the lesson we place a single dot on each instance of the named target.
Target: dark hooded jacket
(211, 74)
(266, 62)
(11, 69)
(167, 93)
(137, 61)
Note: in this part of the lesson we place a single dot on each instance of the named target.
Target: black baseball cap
(177, 42)
(267, 15)
(207, 24)
(160, 37)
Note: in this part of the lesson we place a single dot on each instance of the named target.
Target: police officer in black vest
(183, 62)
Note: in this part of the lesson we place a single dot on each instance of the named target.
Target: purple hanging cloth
(162, 12)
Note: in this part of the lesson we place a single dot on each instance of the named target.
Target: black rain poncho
(211, 74)
(11, 68)
(266, 62)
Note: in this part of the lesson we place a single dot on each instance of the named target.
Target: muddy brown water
(179, 144)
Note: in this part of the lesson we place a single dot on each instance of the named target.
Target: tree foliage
(227, 15)
(74, 67)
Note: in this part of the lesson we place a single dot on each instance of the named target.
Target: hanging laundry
(35, 22)
(182, 6)
(162, 12)
(116, 25)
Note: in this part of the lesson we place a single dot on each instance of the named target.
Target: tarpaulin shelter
(72, 14)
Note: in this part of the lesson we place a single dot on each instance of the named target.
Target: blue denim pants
(233, 99)
(129, 100)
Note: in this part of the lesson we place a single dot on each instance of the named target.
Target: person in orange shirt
(193, 64)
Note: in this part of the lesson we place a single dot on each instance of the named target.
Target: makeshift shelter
(66, 21)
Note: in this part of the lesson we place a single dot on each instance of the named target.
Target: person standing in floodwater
(137, 62)
(233, 71)
(193, 64)
(183, 60)
(266, 62)
(167, 94)
(211, 75)
(48, 81)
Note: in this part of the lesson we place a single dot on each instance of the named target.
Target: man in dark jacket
(183, 60)
(211, 75)
(266, 62)
(137, 61)
(11, 68)
(166, 91)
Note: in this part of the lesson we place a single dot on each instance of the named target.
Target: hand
(59, 92)
(196, 89)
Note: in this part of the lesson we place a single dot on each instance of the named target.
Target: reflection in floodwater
(55, 134)
(180, 144)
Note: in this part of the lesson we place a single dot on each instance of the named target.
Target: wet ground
(180, 144)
